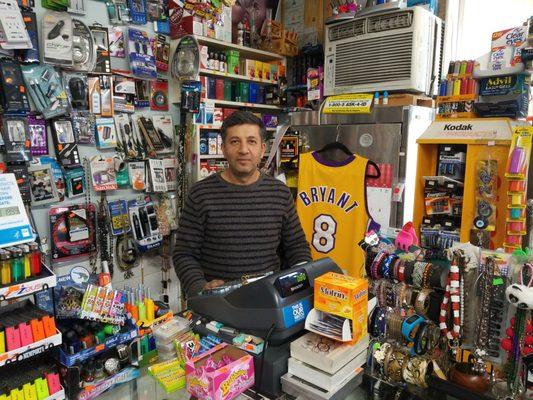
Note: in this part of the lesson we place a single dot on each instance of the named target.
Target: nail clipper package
(141, 56)
(57, 38)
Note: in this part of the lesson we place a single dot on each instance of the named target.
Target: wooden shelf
(218, 126)
(236, 77)
(244, 52)
(237, 104)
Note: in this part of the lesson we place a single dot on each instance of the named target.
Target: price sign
(359, 103)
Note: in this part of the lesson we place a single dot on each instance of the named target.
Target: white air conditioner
(398, 50)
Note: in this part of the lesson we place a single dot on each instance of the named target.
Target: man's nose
(243, 148)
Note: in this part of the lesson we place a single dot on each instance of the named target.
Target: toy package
(141, 56)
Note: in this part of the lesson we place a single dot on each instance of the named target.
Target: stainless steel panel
(379, 114)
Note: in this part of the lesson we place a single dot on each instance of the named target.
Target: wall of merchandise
(111, 129)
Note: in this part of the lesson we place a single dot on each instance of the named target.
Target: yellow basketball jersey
(331, 204)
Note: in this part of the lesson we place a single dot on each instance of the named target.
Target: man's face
(243, 148)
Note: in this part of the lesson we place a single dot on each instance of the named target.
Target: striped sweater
(228, 230)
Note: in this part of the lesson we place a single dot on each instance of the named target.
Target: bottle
(222, 63)
(385, 98)
(211, 61)
(376, 98)
(216, 63)
(240, 34)
(35, 259)
(5, 267)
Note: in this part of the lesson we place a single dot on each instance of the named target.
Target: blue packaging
(503, 96)
(211, 88)
(254, 88)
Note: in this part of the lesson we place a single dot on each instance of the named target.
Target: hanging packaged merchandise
(159, 95)
(95, 98)
(118, 212)
(57, 32)
(162, 25)
(145, 227)
(103, 174)
(38, 135)
(142, 93)
(58, 175)
(77, 7)
(16, 139)
(127, 142)
(137, 11)
(13, 94)
(83, 47)
(13, 33)
(161, 49)
(23, 180)
(76, 85)
(43, 188)
(84, 125)
(141, 56)
(101, 39)
(75, 179)
(157, 176)
(56, 5)
(150, 135)
(116, 42)
(121, 167)
(73, 231)
(30, 55)
(106, 135)
(123, 94)
(137, 175)
(487, 175)
(170, 165)
(118, 12)
(65, 143)
(46, 89)
(165, 128)
(190, 96)
(106, 96)
(186, 59)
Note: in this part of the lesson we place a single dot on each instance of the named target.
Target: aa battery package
(46, 89)
(65, 143)
(141, 56)
(83, 47)
(57, 38)
(145, 227)
(15, 138)
(13, 94)
(101, 39)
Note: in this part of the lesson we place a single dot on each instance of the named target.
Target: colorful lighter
(457, 87)
(12, 338)
(26, 337)
(2, 341)
(89, 298)
(27, 259)
(42, 388)
(37, 329)
(17, 394)
(5, 267)
(17, 264)
(53, 383)
(30, 393)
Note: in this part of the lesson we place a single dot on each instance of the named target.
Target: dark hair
(242, 118)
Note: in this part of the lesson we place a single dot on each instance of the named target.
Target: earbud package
(106, 134)
(57, 38)
(141, 56)
(46, 90)
(76, 85)
(83, 47)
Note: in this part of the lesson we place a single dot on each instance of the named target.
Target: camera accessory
(57, 38)
(83, 48)
(101, 39)
(13, 94)
(141, 57)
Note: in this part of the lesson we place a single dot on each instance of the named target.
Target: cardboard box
(232, 59)
(259, 69)
(249, 68)
(224, 383)
(211, 84)
(254, 88)
(189, 25)
(266, 71)
(219, 89)
(243, 92)
(223, 25)
(212, 144)
(274, 71)
(218, 116)
(227, 90)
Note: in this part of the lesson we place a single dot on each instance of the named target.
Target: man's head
(243, 142)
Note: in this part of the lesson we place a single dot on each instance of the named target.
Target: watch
(409, 325)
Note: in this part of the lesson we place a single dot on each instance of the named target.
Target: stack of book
(322, 368)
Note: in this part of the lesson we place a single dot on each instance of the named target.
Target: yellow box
(341, 295)
(259, 69)
(346, 297)
(266, 71)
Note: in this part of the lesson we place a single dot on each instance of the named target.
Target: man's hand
(213, 284)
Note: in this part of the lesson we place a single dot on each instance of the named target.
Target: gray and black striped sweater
(228, 230)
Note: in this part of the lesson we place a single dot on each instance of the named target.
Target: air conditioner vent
(390, 22)
(348, 30)
(378, 59)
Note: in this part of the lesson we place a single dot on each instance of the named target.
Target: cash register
(278, 302)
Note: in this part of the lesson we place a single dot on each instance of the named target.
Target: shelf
(30, 350)
(59, 395)
(244, 51)
(95, 389)
(218, 156)
(46, 281)
(236, 77)
(240, 104)
(218, 126)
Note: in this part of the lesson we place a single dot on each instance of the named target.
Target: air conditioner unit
(398, 50)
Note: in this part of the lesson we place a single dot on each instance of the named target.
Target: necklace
(452, 295)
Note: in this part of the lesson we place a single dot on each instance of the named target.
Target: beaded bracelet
(401, 270)
(426, 275)
(375, 268)
(422, 302)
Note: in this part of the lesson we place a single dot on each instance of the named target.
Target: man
(234, 222)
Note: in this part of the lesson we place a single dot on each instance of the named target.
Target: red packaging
(219, 91)
(226, 112)
(159, 95)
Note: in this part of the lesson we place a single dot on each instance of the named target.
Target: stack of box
(327, 362)
(165, 334)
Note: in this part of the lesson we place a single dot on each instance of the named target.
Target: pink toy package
(222, 373)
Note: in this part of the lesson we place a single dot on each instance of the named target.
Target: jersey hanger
(342, 147)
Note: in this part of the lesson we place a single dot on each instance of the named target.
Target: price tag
(360, 103)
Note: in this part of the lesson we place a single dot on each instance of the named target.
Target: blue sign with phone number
(296, 313)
